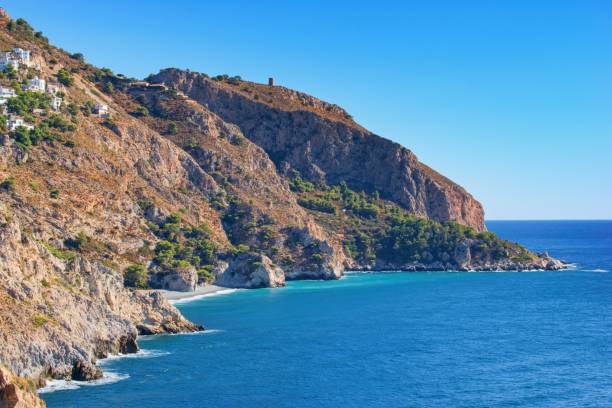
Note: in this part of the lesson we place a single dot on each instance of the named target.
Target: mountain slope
(321, 142)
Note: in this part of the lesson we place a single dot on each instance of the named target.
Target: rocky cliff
(322, 142)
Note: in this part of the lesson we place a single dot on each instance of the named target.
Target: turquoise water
(540, 339)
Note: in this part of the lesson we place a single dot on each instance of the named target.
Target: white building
(56, 103)
(36, 84)
(6, 56)
(6, 93)
(21, 55)
(13, 122)
(15, 57)
(54, 89)
(4, 64)
(101, 110)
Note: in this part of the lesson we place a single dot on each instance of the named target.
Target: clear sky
(511, 99)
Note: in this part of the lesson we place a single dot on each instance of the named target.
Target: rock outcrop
(180, 278)
(85, 371)
(58, 315)
(16, 392)
(251, 270)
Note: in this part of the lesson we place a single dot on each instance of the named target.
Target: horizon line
(549, 219)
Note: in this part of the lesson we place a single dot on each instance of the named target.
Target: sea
(389, 339)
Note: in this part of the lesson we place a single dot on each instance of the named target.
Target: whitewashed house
(53, 89)
(13, 122)
(15, 57)
(6, 61)
(6, 94)
(23, 56)
(36, 84)
(56, 103)
(101, 110)
(6, 56)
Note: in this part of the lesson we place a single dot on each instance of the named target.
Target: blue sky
(511, 99)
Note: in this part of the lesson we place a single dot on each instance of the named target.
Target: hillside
(111, 187)
(323, 144)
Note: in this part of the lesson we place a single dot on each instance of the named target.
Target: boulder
(85, 371)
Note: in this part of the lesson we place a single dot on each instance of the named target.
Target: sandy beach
(201, 291)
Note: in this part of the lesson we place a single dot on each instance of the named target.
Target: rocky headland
(112, 187)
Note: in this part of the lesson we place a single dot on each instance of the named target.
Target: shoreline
(176, 297)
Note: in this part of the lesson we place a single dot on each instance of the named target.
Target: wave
(139, 354)
(198, 297)
(577, 267)
(207, 331)
(571, 266)
(108, 377)
(148, 337)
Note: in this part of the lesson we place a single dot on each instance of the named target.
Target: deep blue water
(531, 339)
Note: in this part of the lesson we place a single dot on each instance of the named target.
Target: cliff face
(321, 142)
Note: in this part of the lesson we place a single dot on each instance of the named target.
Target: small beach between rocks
(175, 297)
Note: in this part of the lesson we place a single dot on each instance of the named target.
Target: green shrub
(26, 101)
(8, 184)
(42, 319)
(108, 88)
(182, 245)
(87, 108)
(78, 56)
(141, 111)
(318, 204)
(237, 140)
(206, 275)
(63, 254)
(172, 129)
(301, 186)
(77, 242)
(55, 121)
(64, 77)
(136, 276)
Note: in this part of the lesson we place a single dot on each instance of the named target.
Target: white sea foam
(596, 270)
(153, 336)
(108, 377)
(571, 266)
(139, 354)
(207, 331)
(197, 297)
(348, 274)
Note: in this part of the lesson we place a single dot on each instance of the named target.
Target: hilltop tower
(270, 81)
